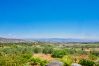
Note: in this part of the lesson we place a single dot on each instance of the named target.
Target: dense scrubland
(40, 54)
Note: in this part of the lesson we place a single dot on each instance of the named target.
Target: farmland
(42, 53)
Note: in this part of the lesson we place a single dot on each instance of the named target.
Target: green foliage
(85, 62)
(96, 53)
(71, 51)
(81, 52)
(92, 57)
(47, 50)
(58, 53)
(97, 64)
(67, 60)
(20, 54)
(14, 55)
(37, 49)
(43, 62)
(37, 61)
(34, 61)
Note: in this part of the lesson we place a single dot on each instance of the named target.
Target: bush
(85, 62)
(47, 50)
(96, 53)
(43, 63)
(37, 49)
(67, 60)
(92, 57)
(37, 61)
(58, 53)
(97, 64)
(34, 61)
(81, 52)
(14, 55)
(71, 51)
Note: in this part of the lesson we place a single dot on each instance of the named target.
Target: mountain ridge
(10, 40)
(63, 40)
(53, 40)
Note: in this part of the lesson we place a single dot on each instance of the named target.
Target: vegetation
(22, 54)
(58, 53)
(67, 60)
(85, 62)
(37, 61)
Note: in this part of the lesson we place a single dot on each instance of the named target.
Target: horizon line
(51, 38)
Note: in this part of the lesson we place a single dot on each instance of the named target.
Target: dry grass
(44, 56)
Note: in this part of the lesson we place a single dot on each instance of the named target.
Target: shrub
(71, 51)
(58, 53)
(43, 62)
(37, 49)
(96, 53)
(37, 61)
(81, 52)
(34, 61)
(67, 60)
(97, 64)
(47, 50)
(85, 62)
(14, 56)
(92, 57)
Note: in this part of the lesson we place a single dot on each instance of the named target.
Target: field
(41, 54)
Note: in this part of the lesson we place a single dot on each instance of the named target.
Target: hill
(64, 40)
(10, 40)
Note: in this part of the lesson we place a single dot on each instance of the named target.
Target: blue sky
(49, 19)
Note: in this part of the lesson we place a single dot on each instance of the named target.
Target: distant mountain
(64, 40)
(52, 40)
(10, 40)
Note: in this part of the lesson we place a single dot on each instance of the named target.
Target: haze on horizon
(49, 19)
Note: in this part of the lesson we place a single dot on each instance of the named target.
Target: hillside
(10, 40)
(63, 40)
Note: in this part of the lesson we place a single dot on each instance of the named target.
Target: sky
(49, 19)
